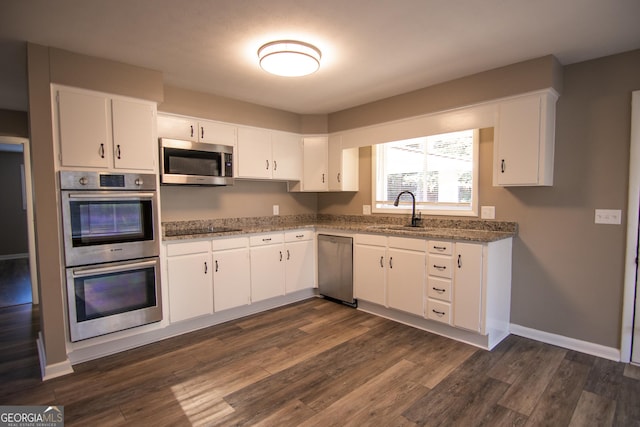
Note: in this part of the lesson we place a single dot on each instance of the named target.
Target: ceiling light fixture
(289, 58)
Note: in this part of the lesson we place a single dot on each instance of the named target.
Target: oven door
(105, 226)
(111, 297)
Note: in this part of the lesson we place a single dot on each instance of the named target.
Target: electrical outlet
(366, 209)
(276, 209)
(608, 216)
(488, 212)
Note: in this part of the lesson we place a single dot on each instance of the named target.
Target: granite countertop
(431, 228)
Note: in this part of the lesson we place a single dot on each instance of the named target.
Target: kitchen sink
(390, 227)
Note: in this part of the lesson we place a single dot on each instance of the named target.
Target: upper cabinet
(315, 168)
(524, 140)
(343, 166)
(196, 130)
(101, 131)
(265, 154)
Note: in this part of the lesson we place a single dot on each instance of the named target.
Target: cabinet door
(190, 287)
(286, 150)
(85, 139)
(300, 261)
(267, 272)
(315, 173)
(369, 279)
(176, 127)
(405, 280)
(254, 153)
(518, 141)
(231, 279)
(467, 286)
(343, 166)
(216, 133)
(134, 143)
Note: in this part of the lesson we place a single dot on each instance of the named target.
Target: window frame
(405, 203)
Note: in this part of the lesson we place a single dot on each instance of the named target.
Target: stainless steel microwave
(193, 163)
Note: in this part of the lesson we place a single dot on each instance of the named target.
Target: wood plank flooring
(317, 363)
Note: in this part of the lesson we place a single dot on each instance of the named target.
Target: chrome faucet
(414, 219)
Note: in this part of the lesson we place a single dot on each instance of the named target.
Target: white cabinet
(406, 274)
(390, 272)
(469, 286)
(467, 290)
(300, 260)
(524, 140)
(98, 130)
(315, 171)
(369, 267)
(264, 154)
(196, 130)
(343, 166)
(231, 273)
(189, 276)
(267, 266)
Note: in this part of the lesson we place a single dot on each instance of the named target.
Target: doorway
(18, 284)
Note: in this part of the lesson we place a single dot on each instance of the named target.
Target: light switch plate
(366, 209)
(276, 209)
(608, 216)
(488, 212)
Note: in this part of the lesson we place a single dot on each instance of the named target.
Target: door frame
(629, 304)
(26, 152)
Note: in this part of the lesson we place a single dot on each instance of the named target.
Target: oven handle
(119, 195)
(89, 271)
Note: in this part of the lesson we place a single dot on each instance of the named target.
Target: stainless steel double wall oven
(111, 251)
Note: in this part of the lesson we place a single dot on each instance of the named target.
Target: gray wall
(567, 271)
(13, 218)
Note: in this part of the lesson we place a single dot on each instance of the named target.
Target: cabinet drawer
(266, 239)
(408, 244)
(229, 243)
(439, 288)
(297, 235)
(438, 247)
(440, 266)
(175, 249)
(371, 239)
(439, 311)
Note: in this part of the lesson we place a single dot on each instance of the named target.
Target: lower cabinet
(390, 271)
(231, 273)
(190, 280)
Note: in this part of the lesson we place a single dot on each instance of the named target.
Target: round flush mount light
(289, 58)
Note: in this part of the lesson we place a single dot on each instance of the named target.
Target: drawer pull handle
(390, 262)
(216, 266)
(459, 261)
(441, 290)
(201, 132)
(206, 267)
(440, 248)
(267, 239)
(438, 313)
(299, 236)
(280, 256)
(288, 255)
(191, 131)
(440, 267)
(382, 261)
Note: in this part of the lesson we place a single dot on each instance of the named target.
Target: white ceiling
(371, 49)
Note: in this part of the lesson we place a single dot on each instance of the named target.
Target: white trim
(598, 350)
(51, 371)
(13, 256)
(633, 209)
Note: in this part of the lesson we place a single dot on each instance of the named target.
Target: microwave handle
(119, 195)
(89, 271)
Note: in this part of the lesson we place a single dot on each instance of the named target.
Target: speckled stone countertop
(475, 230)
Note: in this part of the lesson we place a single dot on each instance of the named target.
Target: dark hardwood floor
(317, 363)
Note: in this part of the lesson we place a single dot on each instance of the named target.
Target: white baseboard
(13, 256)
(51, 371)
(568, 343)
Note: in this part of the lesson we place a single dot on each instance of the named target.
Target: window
(440, 170)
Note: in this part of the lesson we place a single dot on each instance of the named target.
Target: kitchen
(557, 286)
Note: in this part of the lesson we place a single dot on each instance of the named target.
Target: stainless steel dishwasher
(335, 268)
